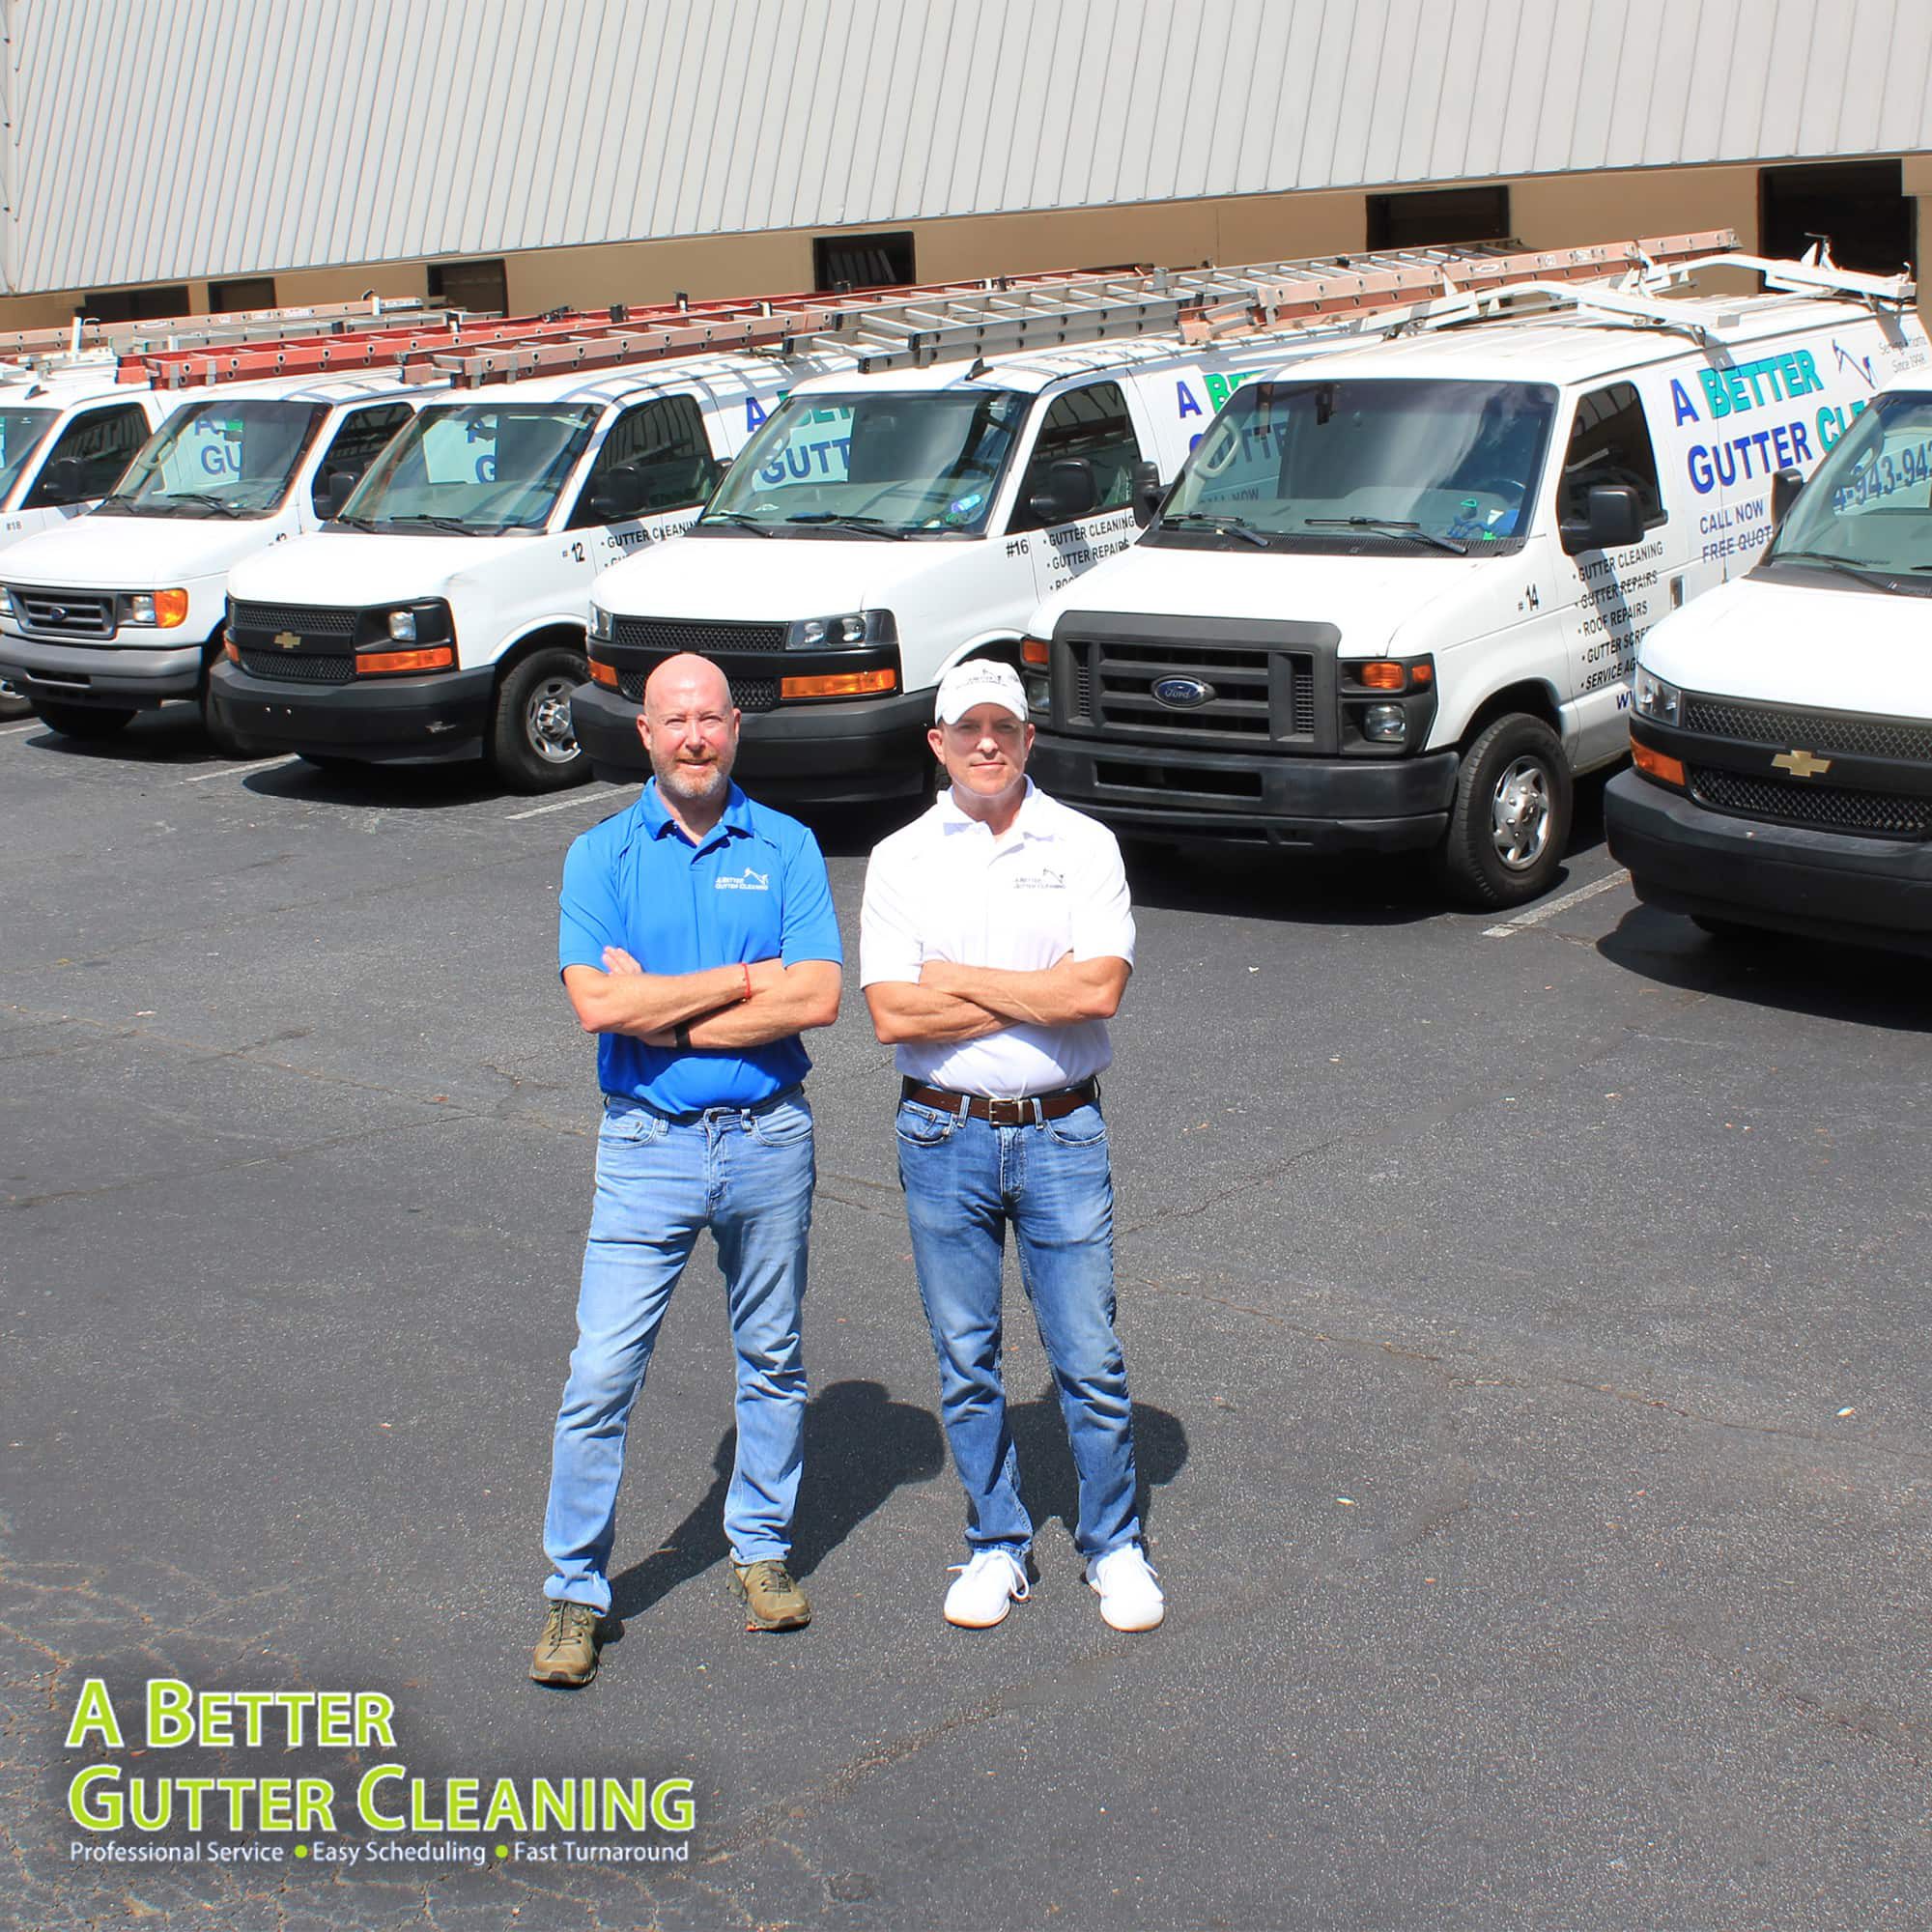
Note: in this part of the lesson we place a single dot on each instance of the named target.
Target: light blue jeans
(965, 1181)
(745, 1173)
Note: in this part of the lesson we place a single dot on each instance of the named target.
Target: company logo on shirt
(747, 881)
(1048, 881)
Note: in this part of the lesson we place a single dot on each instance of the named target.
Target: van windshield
(1383, 466)
(20, 430)
(218, 459)
(1867, 509)
(892, 465)
(473, 469)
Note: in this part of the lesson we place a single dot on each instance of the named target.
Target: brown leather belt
(1004, 1113)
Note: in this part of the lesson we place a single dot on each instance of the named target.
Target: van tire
(83, 721)
(531, 745)
(1509, 823)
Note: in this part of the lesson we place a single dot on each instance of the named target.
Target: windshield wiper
(739, 520)
(1864, 572)
(867, 527)
(454, 524)
(1398, 524)
(221, 505)
(354, 523)
(1222, 527)
(117, 502)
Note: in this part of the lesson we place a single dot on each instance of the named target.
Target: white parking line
(1620, 877)
(564, 804)
(235, 770)
(15, 730)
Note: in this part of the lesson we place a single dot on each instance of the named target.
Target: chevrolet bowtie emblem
(1802, 764)
(288, 640)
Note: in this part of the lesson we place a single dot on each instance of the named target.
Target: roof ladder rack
(1269, 295)
(914, 327)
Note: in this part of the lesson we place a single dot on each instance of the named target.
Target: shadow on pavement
(1794, 976)
(859, 1448)
(170, 735)
(389, 788)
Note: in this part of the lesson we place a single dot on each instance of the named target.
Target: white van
(66, 436)
(441, 615)
(1394, 600)
(880, 528)
(1782, 727)
(123, 608)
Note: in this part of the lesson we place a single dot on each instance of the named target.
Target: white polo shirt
(945, 887)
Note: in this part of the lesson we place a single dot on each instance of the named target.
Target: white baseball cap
(980, 681)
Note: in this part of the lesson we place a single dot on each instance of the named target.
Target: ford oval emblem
(1183, 693)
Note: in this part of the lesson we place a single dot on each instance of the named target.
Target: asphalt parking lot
(1525, 1320)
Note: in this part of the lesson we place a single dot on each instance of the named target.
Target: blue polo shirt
(755, 889)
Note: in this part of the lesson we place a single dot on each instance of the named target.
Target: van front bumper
(436, 719)
(1302, 804)
(117, 677)
(811, 753)
(1685, 858)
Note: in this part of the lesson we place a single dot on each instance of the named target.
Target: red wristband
(747, 979)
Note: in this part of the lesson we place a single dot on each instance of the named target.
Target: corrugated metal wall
(159, 140)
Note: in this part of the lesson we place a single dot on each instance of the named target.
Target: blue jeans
(745, 1173)
(965, 1181)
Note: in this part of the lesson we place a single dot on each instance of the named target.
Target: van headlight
(163, 609)
(403, 626)
(7, 604)
(1654, 698)
(600, 625)
(847, 632)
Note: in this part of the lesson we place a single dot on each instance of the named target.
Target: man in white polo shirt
(995, 943)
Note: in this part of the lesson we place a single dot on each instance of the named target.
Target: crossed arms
(623, 998)
(951, 1003)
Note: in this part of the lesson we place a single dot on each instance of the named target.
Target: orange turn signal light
(604, 674)
(1383, 675)
(845, 683)
(1034, 651)
(229, 652)
(1655, 765)
(170, 608)
(438, 657)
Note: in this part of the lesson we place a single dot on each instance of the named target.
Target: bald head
(684, 681)
(691, 732)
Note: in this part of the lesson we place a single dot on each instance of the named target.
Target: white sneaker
(986, 1587)
(1130, 1598)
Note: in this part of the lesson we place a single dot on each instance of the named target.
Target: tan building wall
(1547, 212)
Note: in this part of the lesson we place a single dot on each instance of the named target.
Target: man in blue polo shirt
(696, 941)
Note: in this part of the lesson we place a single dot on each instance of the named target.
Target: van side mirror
(64, 481)
(1067, 490)
(1148, 490)
(336, 491)
(619, 493)
(1612, 521)
(1784, 488)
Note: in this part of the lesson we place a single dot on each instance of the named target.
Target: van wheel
(533, 743)
(220, 734)
(83, 721)
(1509, 825)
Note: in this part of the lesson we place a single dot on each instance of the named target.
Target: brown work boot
(773, 1599)
(567, 1651)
